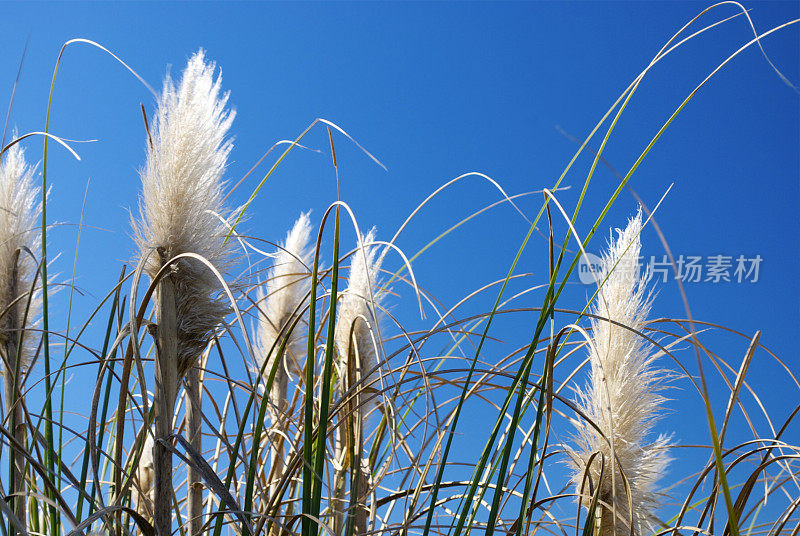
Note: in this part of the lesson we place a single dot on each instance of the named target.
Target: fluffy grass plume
(181, 202)
(287, 286)
(20, 207)
(622, 398)
(357, 314)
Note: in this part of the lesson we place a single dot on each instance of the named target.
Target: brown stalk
(13, 398)
(166, 372)
(278, 406)
(194, 434)
(360, 471)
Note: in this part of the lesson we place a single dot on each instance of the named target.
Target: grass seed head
(181, 201)
(358, 314)
(285, 294)
(20, 208)
(623, 395)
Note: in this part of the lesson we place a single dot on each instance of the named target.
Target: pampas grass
(181, 203)
(182, 212)
(20, 296)
(622, 401)
(287, 288)
(358, 342)
(20, 241)
(376, 421)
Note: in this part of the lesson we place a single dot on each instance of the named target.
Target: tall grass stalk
(181, 208)
(20, 302)
(357, 345)
(194, 432)
(280, 302)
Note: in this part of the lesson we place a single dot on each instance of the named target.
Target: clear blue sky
(436, 90)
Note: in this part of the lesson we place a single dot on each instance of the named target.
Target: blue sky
(434, 91)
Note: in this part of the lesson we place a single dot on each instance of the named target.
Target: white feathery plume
(287, 287)
(622, 398)
(358, 314)
(181, 202)
(20, 208)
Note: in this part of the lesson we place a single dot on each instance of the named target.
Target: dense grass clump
(313, 385)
